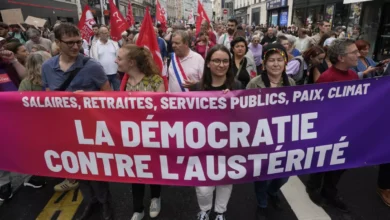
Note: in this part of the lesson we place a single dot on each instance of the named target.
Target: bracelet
(14, 61)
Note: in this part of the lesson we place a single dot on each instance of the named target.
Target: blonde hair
(34, 66)
(143, 59)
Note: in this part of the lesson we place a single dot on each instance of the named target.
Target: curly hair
(34, 66)
(143, 58)
(337, 48)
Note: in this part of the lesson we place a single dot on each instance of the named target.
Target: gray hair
(31, 33)
(338, 47)
(184, 36)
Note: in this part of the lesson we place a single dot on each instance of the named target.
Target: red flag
(160, 16)
(202, 15)
(117, 23)
(85, 24)
(129, 17)
(147, 38)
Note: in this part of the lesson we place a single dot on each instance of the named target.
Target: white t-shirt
(106, 56)
(192, 64)
(225, 40)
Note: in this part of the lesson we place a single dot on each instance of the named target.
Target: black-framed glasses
(71, 43)
(218, 62)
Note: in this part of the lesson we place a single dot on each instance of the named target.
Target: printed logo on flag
(4, 78)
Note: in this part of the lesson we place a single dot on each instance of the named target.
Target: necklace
(276, 83)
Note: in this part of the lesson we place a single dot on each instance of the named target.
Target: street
(357, 187)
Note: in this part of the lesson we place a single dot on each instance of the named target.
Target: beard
(230, 31)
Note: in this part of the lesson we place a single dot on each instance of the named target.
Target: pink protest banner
(196, 138)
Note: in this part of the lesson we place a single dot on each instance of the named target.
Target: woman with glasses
(217, 76)
(257, 51)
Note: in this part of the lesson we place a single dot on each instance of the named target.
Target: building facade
(257, 13)
(217, 7)
(50, 10)
(171, 10)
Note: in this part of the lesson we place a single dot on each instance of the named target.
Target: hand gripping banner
(196, 138)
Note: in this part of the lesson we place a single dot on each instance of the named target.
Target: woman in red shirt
(204, 44)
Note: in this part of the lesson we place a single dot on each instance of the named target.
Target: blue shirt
(360, 68)
(91, 76)
(163, 48)
(295, 52)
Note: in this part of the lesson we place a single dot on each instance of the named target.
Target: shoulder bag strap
(71, 76)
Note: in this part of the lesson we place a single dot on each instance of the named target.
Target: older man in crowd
(35, 38)
(322, 187)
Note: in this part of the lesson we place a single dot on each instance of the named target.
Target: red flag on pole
(85, 24)
(117, 23)
(147, 38)
(202, 15)
(160, 16)
(129, 18)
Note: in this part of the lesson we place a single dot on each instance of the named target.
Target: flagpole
(102, 11)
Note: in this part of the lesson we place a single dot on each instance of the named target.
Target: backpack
(300, 77)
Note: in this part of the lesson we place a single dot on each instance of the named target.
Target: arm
(106, 86)
(316, 74)
(20, 69)
(161, 88)
(292, 67)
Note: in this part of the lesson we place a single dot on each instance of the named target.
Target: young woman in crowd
(243, 67)
(33, 79)
(274, 75)
(143, 73)
(217, 76)
(313, 57)
(19, 50)
(257, 50)
(204, 44)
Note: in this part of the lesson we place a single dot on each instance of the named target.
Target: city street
(358, 187)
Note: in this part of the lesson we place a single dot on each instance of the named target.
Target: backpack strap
(71, 76)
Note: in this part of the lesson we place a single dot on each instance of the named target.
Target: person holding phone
(367, 67)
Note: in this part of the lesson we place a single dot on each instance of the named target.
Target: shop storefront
(277, 13)
(371, 15)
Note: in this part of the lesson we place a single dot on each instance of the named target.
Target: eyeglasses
(355, 52)
(218, 62)
(71, 43)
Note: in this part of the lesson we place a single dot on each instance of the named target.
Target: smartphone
(380, 64)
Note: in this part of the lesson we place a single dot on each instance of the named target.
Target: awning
(355, 1)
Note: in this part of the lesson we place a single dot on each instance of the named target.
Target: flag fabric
(148, 38)
(117, 23)
(160, 16)
(85, 24)
(202, 15)
(129, 18)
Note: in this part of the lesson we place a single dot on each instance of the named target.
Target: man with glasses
(72, 71)
(322, 187)
(225, 39)
(35, 38)
(105, 51)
